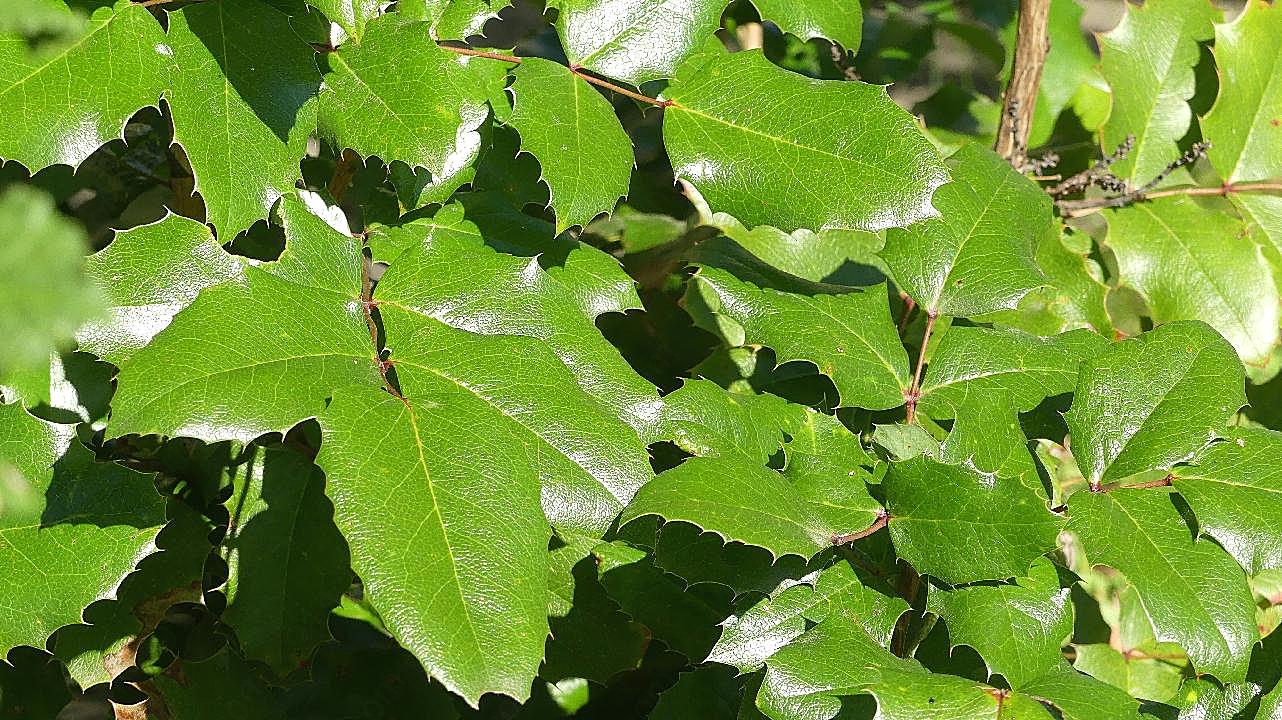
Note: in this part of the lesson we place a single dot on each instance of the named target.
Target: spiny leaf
(978, 256)
(1154, 400)
(847, 157)
(1244, 126)
(60, 109)
(1224, 281)
(585, 155)
(1192, 590)
(807, 19)
(635, 40)
(223, 95)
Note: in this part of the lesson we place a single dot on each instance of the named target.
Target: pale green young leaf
(1195, 263)
(1244, 126)
(635, 40)
(961, 525)
(223, 96)
(1152, 401)
(572, 130)
(739, 135)
(978, 256)
(1192, 590)
(1148, 61)
(705, 420)
(841, 23)
(149, 274)
(60, 109)
(1018, 628)
(1233, 489)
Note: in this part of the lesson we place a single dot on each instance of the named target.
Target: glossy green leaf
(72, 528)
(1154, 400)
(1081, 697)
(828, 467)
(1192, 590)
(738, 501)
(1245, 125)
(1223, 280)
(585, 155)
(987, 435)
(935, 509)
(635, 40)
(1233, 489)
(46, 294)
(970, 362)
(286, 560)
(849, 336)
(60, 109)
(372, 105)
(705, 558)
(1140, 677)
(1018, 629)
(978, 256)
(840, 23)
(705, 420)
(149, 273)
(222, 95)
(351, 15)
(1148, 61)
(739, 135)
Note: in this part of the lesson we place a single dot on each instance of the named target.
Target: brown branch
(1095, 173)
(914, 391)
(882, 518)
(1079, 208)
(1031, 46)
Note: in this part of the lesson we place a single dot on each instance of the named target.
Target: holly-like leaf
(1154, 400)
(987, 436)
(286, 560)
(738, 132)
(849, 336)
(828, 467)
(149, 273)
(45, 295)
(1148, 61)
(1243, 126)
(739, 501)
(1081, 697)
(60, 109)
(223, 95)
(374, 105)
(937, 508)
(807, 19)
(703, 419)
(72, 528)
(974, 361)
(1224, 282)
(978, 256)
(635, 40)
(572, 130)
(1018, 629)
(1192, 590)
(1233, 489)
(224, 683)
(698, 557)
(752, 636)
(351, 15)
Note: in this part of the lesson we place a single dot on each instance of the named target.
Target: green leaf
(571, 128)
(635, 40)
(709, 693)
(1148, 61)
(1233, 490)
(371, 105)
(936, 509)
(149, 273)
(698, 557)
(1244, 126)
(849, 336)
(1140, 677)
(703, 419)
(45, 295)
(221, 686)
(971, 362)
(1192, 590)
(257, 354)
(71, 530)
(978, 256)
(752, 636)
(987, 435)
(1018, 629)
(447, 272)
(1152, 401)
(740, 135)
(828, 468)
(60, 109)
(286, 560)
(1070, 73)
(223, 95)
(1224, 280)
(1081, 697)
(351, 15)
(739, 501)
(842, 24)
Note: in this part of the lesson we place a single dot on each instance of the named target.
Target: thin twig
(1164, 482)
(1087, 177)
(914, 391)
(882, 518)
(1031, 46)
(482, 53)
(1079, 208)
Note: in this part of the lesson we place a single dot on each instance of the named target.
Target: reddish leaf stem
(1164, 482)
(914, 391)
(879, 523)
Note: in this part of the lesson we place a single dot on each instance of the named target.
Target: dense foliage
(638, 358)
